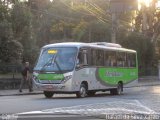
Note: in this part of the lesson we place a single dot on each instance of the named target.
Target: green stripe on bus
(112, 76)
(50, 76)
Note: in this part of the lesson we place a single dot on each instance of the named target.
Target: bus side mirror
(77, 66)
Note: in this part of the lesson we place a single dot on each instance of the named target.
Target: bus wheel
(48, 94)
(118, 90)
(82, 91)
(91, 93)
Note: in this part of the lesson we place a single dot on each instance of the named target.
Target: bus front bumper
(48, 87)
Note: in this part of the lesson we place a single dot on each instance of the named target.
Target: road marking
(147, 108)
(117, 106)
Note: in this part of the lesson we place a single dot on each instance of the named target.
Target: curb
(152, 84)
(20, 94)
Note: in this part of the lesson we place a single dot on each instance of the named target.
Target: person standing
(26, 77)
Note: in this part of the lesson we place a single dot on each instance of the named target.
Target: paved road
(134, 100)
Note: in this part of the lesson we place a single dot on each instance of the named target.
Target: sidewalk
(16, 92)
(148, 81)
(143, 81)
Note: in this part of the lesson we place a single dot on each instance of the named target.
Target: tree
(147, 22)
(23, 32)
(10, 50)
(144, 48)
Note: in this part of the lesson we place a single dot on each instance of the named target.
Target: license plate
(49, 87)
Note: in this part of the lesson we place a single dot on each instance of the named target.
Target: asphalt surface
(137, 100)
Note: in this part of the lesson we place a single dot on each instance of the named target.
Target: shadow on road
(72, 96)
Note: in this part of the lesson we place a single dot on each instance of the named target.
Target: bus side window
(131, 60)
(121, 59)
(113, 59)
(82, 58)
(126, 60)
(97, 57)
(100, 58)
(93, 57)
(108, 59)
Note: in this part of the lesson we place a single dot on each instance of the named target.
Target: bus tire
(48, 94)
(82, 91)
(118, 90)
(91, 93)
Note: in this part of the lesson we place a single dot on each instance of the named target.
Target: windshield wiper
(54, 61)
(58, 66)
(48, 62)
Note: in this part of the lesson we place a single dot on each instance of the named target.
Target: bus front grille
(50, 81)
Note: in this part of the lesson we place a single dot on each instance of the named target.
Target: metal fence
(4, 69)
(148, 72)
(10, 76)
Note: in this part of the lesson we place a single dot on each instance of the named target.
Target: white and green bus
(85, 68)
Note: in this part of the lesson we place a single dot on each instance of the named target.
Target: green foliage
(5, 30)
(4, 14)
(10, 50)
(144, 48)
(147, 22)
(80, 30)
(23, 32)
(62, 29)
(100, 31)
(21, 19)
(28, 25)
(14, 52)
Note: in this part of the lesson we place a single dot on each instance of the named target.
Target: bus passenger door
(82, 72)
(82, 59)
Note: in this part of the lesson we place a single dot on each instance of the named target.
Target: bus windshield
(57, 59)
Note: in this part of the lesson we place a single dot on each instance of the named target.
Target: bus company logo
(132, 73)
(113, 74)
(60, 76)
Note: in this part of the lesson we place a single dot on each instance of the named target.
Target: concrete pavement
(138, 99)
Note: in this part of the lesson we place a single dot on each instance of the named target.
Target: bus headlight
(36, 79)
(66, 78)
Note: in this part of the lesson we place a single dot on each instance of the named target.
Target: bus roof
(91, 45)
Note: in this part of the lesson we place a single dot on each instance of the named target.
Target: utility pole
(159, 69)
(144, 19)
(118, 7)
(114, 30)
